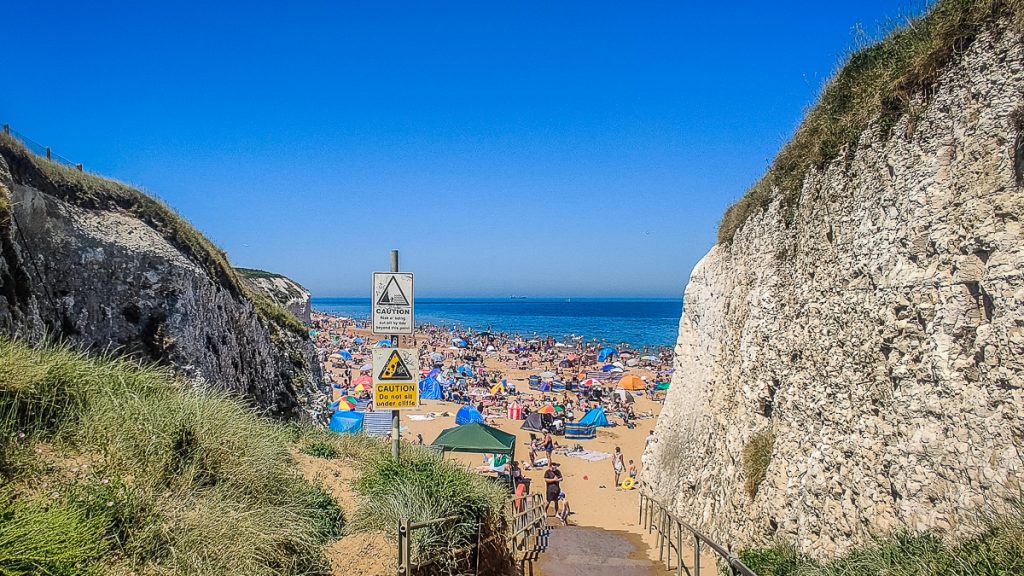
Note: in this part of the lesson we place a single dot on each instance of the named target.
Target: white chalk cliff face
(106, 280)
(880, 336)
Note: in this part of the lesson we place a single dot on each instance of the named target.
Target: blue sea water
(641, 322)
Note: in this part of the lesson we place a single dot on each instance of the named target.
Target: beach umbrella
(437, 357)
(342, 406)
(491, 348)
(345, 354)
(559, 409)
(359, 340)
(547, 374)
(617, 364)
(351, 400)
(546, 409)
(631, 362)
(383, 343)
(363, 380)
(631, 382)
(333, 406)
(604, 353)
(360, 388)
(366, 367)
(616, 369)
(625, 355)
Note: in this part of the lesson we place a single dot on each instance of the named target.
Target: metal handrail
(526, 538)
(663, 525)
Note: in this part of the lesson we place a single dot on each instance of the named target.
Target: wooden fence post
(49, 155)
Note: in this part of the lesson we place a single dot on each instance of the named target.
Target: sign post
(395, 371)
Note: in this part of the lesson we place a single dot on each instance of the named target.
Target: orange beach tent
(631, 382)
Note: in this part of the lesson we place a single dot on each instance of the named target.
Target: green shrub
(757, 454)
(320, 449)
(877, 84)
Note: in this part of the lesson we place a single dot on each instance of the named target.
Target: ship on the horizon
(514, 297)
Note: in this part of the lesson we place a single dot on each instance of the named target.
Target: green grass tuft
(49, 536)
(877, 84)
(997, 551)
(320, 449)
(423, 486)
(757, 454)
(176, 480)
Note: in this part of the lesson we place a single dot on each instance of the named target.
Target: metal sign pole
(395, 429)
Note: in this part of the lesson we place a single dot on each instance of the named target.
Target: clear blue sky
(538, 148)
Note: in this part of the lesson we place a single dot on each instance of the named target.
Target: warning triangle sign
(394, 369)
(393, 294)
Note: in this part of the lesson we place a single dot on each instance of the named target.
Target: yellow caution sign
(396, 379)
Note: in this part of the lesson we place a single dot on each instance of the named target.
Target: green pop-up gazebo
(476, 438)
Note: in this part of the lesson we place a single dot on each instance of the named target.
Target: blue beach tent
(430, 389)
(604, 353)
(595, 417)
(348, 422)
(359, 340)
(460, 343)
(468, 415)
(345, 354)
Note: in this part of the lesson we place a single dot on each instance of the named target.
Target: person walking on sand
(549, 445)
(553, 488)
(618, 465)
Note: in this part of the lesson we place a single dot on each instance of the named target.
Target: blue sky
(545, 149)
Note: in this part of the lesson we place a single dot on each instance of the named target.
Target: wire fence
(41, 150)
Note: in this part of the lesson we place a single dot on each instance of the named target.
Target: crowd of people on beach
(561, 379)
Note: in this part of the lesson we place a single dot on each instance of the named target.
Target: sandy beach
(595, 500)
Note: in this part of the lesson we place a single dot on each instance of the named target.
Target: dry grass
(96, 193)
(757, 454)
(877, 84)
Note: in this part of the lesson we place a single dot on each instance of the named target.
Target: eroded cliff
(866, 338)
(104, 266)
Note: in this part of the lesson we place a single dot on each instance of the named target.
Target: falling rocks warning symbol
(394, 369)
(393, 295)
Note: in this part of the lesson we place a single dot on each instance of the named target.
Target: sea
(640, 322)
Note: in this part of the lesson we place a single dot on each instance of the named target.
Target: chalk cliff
(866, 338)
(283, 290)
(102, 265)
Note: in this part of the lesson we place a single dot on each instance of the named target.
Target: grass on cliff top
(96, 193)
(112, 467)
(876, 84)
(257, 273)
(997, 551)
